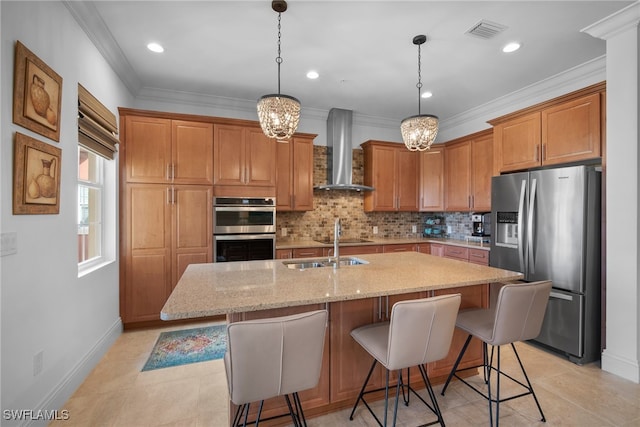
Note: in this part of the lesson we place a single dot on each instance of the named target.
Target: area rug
(185, 346)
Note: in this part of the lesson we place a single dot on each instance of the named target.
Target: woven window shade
(97, 128)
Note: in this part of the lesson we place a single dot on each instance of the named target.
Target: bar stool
(274, 357)
(418, 332)
(517, 316)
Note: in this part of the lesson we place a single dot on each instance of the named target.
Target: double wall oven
(244, 229)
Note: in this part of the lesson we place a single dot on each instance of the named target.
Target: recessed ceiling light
(427, 94)
(155, 47)
(511, 47)
(312, 75)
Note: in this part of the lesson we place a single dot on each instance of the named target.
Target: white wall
(621, 32)
(44, 305)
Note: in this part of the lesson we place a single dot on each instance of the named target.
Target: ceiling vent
(486, 29)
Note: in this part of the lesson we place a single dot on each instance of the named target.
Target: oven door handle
(244, 236)
(244, 209)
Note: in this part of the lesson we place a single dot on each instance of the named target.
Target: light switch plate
(8, 243)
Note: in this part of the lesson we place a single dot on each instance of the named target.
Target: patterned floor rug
(176, 348)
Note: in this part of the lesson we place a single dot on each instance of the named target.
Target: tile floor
(116, 393)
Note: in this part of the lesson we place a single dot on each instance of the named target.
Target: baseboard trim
(620, 366)
(70, 383)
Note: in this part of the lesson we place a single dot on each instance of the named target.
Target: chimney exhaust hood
(339, 152)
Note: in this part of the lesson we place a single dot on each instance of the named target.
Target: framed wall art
(37, 94)
(36, 176)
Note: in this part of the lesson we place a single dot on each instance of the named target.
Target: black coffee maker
(481, 223)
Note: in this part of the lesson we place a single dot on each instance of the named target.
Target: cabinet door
(307, 252)
(479, 256)
(423, 248)
(472, 297)
(402, 247)
(571, 131)
(192, 152)
(517, 143)
(350, 363)
(358, 250)
(191, 227)
(481, 172)
(284, 172)
(229, 155)
(380, 172)
(407, 179)
(283, 254)
(432, 180)
(456, 252)
(302, 174)
(437, 249)
(147, 149)
(147, 251)
(457, 167)
(260, 167)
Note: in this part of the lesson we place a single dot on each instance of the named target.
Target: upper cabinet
(294, 189)
(393, 171)
(467, 173)
(563, 130)
(244, 157)
(161, 150)
(432, 179)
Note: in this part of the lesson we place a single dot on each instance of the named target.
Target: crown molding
(614, 24)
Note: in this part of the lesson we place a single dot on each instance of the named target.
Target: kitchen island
(354, 295)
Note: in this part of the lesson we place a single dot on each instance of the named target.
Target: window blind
(97, 127)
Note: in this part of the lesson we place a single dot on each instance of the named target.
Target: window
(97, 183)
(90, 207)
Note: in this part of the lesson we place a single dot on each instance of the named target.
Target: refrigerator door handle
(523, 190)
(530, 236)
(560, 296)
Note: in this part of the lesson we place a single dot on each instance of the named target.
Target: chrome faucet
(337, 231)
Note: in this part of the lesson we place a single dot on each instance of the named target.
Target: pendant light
(419, 132)
(279, 114)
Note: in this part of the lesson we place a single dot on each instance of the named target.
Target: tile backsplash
(348, 206)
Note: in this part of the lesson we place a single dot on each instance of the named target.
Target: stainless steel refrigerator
(546, 225)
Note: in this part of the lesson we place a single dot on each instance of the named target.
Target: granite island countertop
(236, 287)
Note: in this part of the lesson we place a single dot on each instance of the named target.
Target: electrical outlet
(414, 228)
(375, 229)
(38, 360)
(448, 229)
(283, 232)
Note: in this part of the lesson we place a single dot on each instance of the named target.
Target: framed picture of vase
(37, 94)
(36, 176)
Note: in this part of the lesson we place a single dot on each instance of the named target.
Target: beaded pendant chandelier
(419, 132)
(279, 114)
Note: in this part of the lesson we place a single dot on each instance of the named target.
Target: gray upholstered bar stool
(272, 357)
(516, 316)
(419, 332)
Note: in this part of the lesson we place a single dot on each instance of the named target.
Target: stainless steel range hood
(339, 152)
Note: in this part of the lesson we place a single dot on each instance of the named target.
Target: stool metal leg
(455, 365)
(360, 396)
(526, 377)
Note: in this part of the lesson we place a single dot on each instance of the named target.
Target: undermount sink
(323, 262)
(347, 240)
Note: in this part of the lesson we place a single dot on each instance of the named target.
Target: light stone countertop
(310, 243)
(235, 287)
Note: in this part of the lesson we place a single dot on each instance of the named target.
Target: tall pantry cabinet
(166, 212)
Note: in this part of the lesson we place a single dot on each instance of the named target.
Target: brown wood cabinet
(468, 170)
(160, 150)
(166, 208)
(393, 171)
(165, 228)
(432, 180)
(562, 130)
(244, 161)
(424, 248)
(400, 247)
(307, 252)
(294, 178)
